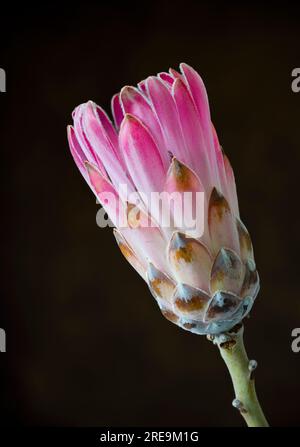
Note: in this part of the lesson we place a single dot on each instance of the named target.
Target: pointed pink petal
(167, 79)
(117, 110)
(199, 95)
(197, 90)
(142, 156)
(167, 115)
(103, 147)
(77, 152)
(107, 195)
(136, 104)
(90, 154)
(175, 74)
(142, 87)
(196, 150)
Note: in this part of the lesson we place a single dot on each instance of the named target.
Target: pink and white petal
(168, 118)
(175, 74)
(141, 154)
(105, 150)
(150, 245)
(190, 261)
(86, 147)
(190, 125)
(107, 126)
(117, 111)
(135, 103)
(129, 254)
(222, 224)
(167, 79)
(106, 194)
(76, 151)
(142, 87)
(227, 272)
(197, 90)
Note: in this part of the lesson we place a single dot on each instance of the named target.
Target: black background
(86, 344)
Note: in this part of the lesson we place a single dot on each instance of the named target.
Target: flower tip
(90, 167)
(178, 240)
(127, 93)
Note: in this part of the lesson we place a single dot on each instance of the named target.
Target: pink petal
(142, 87)
(107, 195)
(196, 150)
(117, 110)
(167, 79)
(76, 151)
(103, 147)
(88, 150)
(175, 74)
(197, 89)
(141, 155)
(166, 112)
(134, 103)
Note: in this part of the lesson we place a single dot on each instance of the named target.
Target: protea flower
(163, 141)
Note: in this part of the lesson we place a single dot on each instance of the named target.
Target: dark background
(86, 344)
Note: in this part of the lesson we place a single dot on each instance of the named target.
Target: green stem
(233, 352)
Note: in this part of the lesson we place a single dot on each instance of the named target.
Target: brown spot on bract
(195, 303)
(185, 253)
(156, 286)
(218, 204)
(169, 315)
(244, 237)
(189, 325)
(182, 175)
(125, 250)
